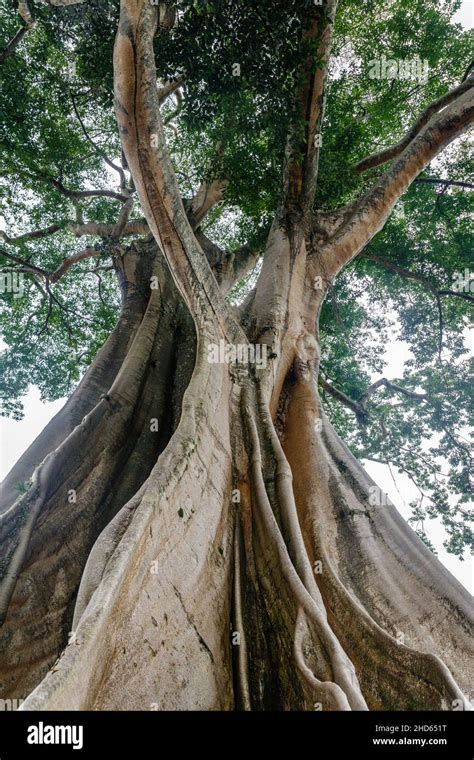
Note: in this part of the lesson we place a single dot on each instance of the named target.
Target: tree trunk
(203, 538)
(224, 564)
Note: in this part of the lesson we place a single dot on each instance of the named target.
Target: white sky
(465, 14)
(16, 436)
(403, 491)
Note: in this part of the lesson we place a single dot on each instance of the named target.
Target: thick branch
(360, 407)
(208, 195)
(144, 145)
(228, 266)
(13, 44)
(25, 13)
(302, 160)
(371, 212)
(60, 3)
(339, 395)
(133, 227)
(87, 253)
(395, 150)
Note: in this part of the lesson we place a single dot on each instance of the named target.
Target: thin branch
(447, 182)
(175, 112)
(57, 273)
(391, 387)
(359, 408)
(24, 264)
(99, 281)
(468, 71)
(118, 169)
(168, 88)
(83, 193)
(441, 329)
(34, 235)
(458, 294)
(22, 270)
(435, 181)
(73, 194)
(122, 228)
(125, 212)
(48, 315)
(408, 274)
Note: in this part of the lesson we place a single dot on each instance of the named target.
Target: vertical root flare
(242, 658)
(310, 601)
(20, 519)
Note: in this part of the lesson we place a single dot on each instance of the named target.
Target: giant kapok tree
(215, 215)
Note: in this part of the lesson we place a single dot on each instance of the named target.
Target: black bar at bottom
(139, 734)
